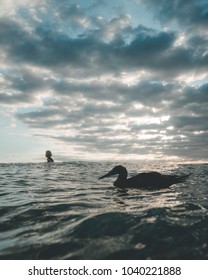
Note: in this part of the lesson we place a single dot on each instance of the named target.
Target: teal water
(61, 211)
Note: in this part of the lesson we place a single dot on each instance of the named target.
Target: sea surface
(62, 211)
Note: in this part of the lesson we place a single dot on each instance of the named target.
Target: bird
(152, 180)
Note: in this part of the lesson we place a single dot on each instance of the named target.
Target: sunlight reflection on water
(64, 206)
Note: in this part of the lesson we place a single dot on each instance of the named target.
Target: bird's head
(118, 169)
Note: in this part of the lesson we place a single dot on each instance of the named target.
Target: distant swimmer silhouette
(48, 154)
(153, 180)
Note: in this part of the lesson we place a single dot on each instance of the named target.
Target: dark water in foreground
(61, 211)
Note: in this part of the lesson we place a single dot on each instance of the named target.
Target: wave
(64, 212)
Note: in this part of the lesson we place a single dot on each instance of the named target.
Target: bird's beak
(107, 175)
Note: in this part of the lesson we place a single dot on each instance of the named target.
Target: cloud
(104, 85)
(73, 14)
(192, 14)
(150, 50)
(128, 123)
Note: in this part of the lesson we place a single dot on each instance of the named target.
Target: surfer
(48, 155)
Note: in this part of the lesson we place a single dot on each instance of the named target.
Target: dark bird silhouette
(152, 180)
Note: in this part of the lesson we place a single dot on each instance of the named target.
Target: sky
(104, 80)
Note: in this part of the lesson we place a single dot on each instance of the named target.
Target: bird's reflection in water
(133, 200)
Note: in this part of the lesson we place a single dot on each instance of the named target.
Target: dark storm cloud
(15, 98)
(72, 13)
(192, 13)
(145, 92)
(28, 82)
(146, 45)
(80, 115)
(147, 49)
(190, 123)
(21, 86)
(192, 97)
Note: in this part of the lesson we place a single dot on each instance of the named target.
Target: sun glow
(132, 78)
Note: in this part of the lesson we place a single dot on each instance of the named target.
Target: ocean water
(62, 211)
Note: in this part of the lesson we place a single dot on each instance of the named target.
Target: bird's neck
(121, 180)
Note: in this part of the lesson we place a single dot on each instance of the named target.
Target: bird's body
(143, 180)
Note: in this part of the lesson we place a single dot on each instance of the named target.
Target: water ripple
(62, 211)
